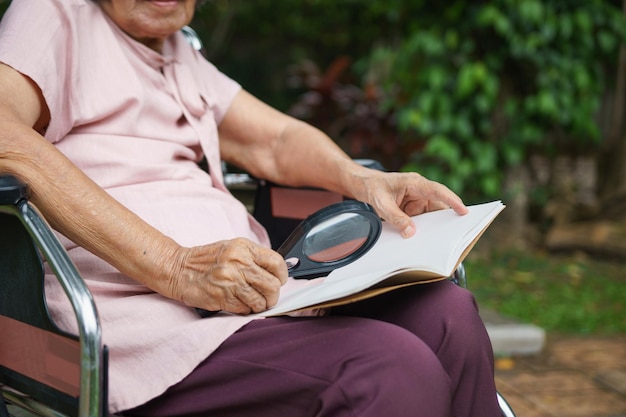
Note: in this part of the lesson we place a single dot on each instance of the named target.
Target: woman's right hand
(236, 276)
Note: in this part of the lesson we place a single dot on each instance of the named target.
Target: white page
(440, 239)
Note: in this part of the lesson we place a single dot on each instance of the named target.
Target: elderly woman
(105, 112)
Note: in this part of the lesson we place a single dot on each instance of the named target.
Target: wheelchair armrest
(12, 190)
(459, 276)
(26, 238)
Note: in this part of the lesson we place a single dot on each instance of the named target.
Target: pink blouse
(136, 122)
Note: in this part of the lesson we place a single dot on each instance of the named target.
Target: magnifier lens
(336, 238)
(330, 238)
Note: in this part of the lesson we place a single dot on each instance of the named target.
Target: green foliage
(487, 84)
(571, 294)
(473, 87)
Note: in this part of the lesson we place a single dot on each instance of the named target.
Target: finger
(222, 296)
(267, 285)
(222, 293)
(252, 298)
(437, 205)
(271, 274)
(236, 306)
(433, 196)
(272, 262)
(389, 210)
(245, 287)
(449, 199)
(400, 220)
(255, 274)
(458, 206)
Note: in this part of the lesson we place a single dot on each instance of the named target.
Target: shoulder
(36, 33)
(36, 10)
(40, 39)
(36, 21)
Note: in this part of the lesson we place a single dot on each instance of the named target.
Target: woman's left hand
(397, 196)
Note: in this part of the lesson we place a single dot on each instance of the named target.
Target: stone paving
(574, 376)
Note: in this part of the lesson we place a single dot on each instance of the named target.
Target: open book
(442, 240)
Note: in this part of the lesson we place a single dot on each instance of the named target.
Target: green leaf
(531, 11)
(546, 104)
(465, 81)
(607, 41)
(443, 148)
(490, 184)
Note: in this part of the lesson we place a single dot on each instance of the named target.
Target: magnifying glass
(330, 238)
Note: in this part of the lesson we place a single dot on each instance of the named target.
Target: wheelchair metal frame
(14, 202)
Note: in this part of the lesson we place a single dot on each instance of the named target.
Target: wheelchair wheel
(506, 409)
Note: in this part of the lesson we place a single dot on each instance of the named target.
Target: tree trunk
(511, 229)
(612, 160)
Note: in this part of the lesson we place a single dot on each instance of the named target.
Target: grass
(562, 293)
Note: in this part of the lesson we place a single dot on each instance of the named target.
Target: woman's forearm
(82, 211)
(279, 148)
(307, 157)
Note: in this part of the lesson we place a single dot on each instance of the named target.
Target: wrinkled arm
(277, 147)
(69, 200)
(274, 146)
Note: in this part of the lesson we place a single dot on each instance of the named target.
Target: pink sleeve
(35, 39)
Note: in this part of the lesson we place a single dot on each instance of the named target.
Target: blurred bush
(488, 84)
(459, 91)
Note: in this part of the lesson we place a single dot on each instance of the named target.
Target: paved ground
(573, 376)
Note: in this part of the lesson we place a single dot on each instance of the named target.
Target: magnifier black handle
(206, 313)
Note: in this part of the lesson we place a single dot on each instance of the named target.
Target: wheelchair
(43, 370)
